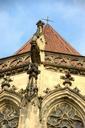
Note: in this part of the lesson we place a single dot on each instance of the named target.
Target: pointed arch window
(9, 114)
(64, 115)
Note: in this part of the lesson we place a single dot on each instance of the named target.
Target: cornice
(61, 62)
(14, 64)
(54, 61)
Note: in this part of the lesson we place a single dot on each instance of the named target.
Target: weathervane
(47, 20)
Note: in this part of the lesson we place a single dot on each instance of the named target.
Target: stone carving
(35, 52)
(5, 85)
(9, 116)
(47, 90)
(58, 87)
(14, 64)
(31, 89)
(39, 31)
(5, 124)
(75, 64)
(40, 98)
(19, 63)
(67, 78)
(33, 74)
(32, 85)
(64, 115)
(76, 90)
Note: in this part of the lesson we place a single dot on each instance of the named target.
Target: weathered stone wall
(47, 79)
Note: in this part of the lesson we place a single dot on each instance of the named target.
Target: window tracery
(64, 115)
(9, 116)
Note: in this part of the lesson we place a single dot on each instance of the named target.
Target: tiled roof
(25, 48)
(54, 43)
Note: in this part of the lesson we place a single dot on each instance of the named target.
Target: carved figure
(35, 53)
(33, 73)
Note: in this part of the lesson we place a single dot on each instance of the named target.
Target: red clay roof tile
(54, 43)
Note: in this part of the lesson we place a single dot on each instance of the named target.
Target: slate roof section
(54, 43)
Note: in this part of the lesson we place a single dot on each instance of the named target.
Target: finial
(40, 23)
(67, 78)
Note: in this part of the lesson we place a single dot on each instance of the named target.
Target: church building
(43, 84)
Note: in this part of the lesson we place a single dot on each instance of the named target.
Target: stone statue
(33, 74)
(35, 53)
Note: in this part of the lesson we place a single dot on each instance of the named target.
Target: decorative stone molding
(14, 64)
(31, 90)
(54, 61)
(8, 88)
(67, 79)
(8, 95)
(5, 85)
(47, 91)
(61, 62)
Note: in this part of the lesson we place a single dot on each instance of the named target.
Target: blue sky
(18, 22)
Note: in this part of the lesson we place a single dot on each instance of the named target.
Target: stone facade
(42, 94)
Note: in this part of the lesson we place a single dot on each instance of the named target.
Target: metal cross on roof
(47, 20)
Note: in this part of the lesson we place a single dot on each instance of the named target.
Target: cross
(47, 20)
